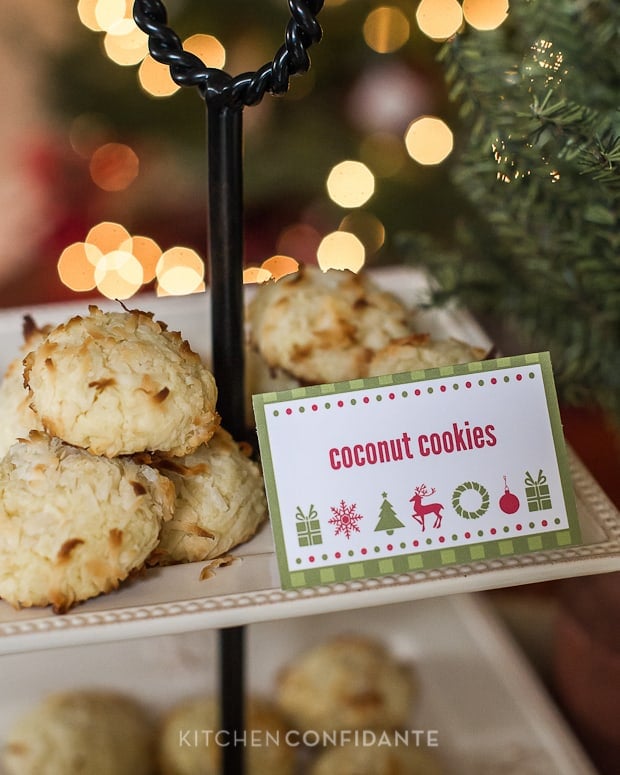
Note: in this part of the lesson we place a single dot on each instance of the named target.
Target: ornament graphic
(482, 495)
(345, 519)
(308, 527)
(508, 503)
(388, 520)
(420, 510)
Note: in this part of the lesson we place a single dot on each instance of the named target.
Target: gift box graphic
(537, 492)
(308, 527)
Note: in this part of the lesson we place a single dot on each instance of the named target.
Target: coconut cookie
(420, 351)
(379, 759)
(348, 683)
(81, 733)
(73, 525)
(323, 326)
(16, 417)
(220, 501)
(116, 383)
(195, 722)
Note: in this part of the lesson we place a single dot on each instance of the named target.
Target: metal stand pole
(224, 150)
(225, 98)
(226, 262)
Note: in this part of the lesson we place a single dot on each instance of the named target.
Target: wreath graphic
(466, 487)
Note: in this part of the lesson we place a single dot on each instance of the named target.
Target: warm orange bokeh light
(179, 281)
(118, 275)
(350, 184)
(75, 267)
(301, 240)
(155, 78)
(208, 49)
(439, 19)
(179, 256)
(125, 44)
(386, 29)
(341, 250)
(118, 264)
(148, 253)
(114, 166)
(485, 14)
(429, 140)
(367, 228)
(256, 274)
(87, 12)
(279, 266)
(107, 236)
(109, 13)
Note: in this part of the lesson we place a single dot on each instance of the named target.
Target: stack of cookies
(316, 327)
(113, 458)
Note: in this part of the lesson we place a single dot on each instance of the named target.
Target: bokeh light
(107, 236)
(485, 14)
(439, 19)
(108, 13)
(208, 49)
(87, 12)
(76, 268)
(366, 227)
(301, 240)
(114, 166)
(125, 44)
(350, 184)
(180, 281)
(341, 250)
(155, 78)
(148, 253)
(118, 275)
(279, 266)
(256, 274)
(429, 140)
(386, 29)
(118, 264)
(180, 271)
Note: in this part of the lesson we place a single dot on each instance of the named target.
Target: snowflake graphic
(345, 519)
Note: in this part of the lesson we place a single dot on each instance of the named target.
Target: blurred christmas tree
(355, 103)
(538, 162)
(520, 221)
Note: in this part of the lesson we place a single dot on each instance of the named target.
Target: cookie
(376, 759)
(116, 383)
(16, 417)
(348, 683)
(191, 740)
(89, 732)
(73, 525)
(323, 326)
(220, 501)
(420, 351)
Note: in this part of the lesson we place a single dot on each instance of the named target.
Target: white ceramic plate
(478, 698)
(174, 599)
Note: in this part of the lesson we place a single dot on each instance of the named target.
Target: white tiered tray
(175, 599)
(478, 701)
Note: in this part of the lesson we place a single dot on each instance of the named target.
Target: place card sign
(415, 470)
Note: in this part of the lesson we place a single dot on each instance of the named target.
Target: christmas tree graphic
(388, 520)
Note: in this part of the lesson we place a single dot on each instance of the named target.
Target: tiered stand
(225, 98)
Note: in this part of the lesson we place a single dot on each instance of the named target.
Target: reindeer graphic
(420, 510)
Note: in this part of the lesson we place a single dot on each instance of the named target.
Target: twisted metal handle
(215, 85)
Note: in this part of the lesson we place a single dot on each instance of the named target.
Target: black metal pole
(225, 237)
(225, 227)
(225, 97)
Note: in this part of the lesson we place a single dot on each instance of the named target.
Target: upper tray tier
(174, 599)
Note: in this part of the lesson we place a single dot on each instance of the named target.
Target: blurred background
(479, 139)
